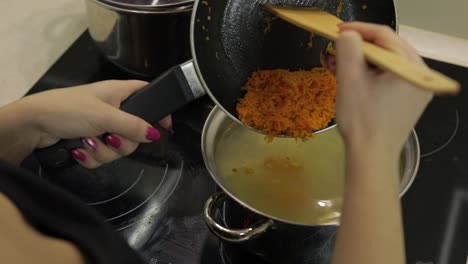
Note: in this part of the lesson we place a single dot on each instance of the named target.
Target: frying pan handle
(166, 94)
(227, 234)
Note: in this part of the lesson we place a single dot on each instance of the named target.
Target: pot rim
(164, 9)
(216, 111)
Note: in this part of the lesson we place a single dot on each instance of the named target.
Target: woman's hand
(376, 112)
(83, 112)
(375, 108)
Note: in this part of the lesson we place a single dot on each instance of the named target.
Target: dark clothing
(57, 213)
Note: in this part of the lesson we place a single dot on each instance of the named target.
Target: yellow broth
(300, 182)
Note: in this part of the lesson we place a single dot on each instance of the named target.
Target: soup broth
(300, 182)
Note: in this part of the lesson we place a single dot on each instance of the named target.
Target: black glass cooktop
(435, 209)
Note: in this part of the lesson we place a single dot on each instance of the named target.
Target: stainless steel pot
(142, 37)
(218, 123)
(282, 243)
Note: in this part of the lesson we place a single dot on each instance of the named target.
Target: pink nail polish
(114, 141)
(331, 64)
(152, 134)
(90, 142)
(78, 155)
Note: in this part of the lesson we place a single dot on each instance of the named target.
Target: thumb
(130, 87)
(351, 64)
(129, 126)
(115, 91)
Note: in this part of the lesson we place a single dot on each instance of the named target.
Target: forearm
(371, 227)
(17, 132)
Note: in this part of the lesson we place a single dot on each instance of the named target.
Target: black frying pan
(230, 39)
(227, 49)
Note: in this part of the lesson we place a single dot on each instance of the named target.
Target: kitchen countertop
(36, 33)
(447, 16)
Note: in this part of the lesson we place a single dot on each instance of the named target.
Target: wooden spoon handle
(417, 74)
(326, 25)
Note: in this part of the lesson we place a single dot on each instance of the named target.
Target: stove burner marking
(221, 254)
(323, 246)
(146, 200)
(449, 140)
(164, 201)
(459, 197)
(124, 192)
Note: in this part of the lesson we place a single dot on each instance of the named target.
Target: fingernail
(331, 64)
(331, 60)
(152, 134)
(90, 142)
(78, 155)
(114, 141)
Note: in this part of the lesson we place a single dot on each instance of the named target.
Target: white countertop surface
(445, 16)
(36, 33)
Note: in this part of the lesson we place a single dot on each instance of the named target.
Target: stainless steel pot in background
(143, 37)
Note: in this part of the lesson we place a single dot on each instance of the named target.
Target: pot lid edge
(147, 4)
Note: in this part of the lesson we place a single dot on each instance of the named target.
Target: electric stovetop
(435, 209)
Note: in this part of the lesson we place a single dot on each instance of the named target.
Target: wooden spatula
(326, 25)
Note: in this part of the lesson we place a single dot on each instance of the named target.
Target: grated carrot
(289, 103)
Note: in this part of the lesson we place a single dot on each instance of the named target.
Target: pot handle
(166, 94)
(225, 233)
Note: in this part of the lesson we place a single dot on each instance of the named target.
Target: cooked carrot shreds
(289, 103)
(339, 8)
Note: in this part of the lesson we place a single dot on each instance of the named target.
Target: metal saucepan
(262, 233)
(142, 37)
(229, 40)
(284, 243)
